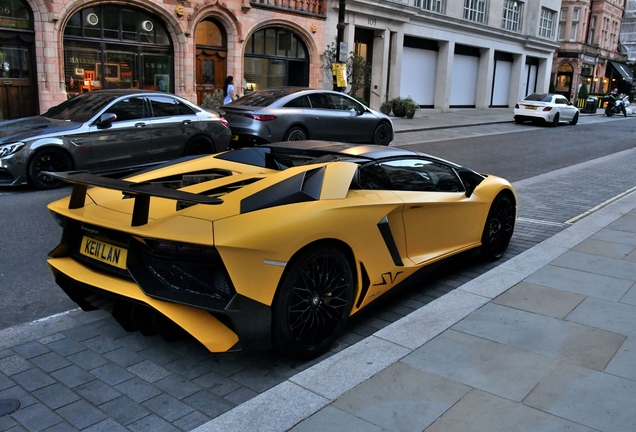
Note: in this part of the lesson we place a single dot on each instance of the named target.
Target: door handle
(140, 125)
(187, 122)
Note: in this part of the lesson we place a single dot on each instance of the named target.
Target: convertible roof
(315, 149)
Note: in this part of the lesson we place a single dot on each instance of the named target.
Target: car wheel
(382, 134)
(48, 159)
(555, 120)
(575, 119)
(499, 227)
(296, 133)
(313, 302)
(518, 120)
(199, 145)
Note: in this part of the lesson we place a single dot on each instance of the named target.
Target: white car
(546, 107)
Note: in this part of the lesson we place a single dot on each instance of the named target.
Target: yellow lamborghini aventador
(272, 246)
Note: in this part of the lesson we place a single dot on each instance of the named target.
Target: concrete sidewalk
(545, 341)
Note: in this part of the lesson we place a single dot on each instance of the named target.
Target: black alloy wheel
(313, 302)
(500, 225)
(295, 134)
(382, 134)
(48, 159)
(555, 120)
(575, 119)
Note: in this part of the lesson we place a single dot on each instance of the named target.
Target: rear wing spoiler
(140, 192)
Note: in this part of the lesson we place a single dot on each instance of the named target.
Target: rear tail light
(517, 106)
(224, 121)
(259, 117)
(547, 108)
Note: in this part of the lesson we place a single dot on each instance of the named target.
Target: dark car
(297, 114)
(106, 131)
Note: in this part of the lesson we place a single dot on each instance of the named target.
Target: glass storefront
(108, 47)
(275, 57)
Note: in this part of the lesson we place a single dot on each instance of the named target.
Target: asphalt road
(512, 151)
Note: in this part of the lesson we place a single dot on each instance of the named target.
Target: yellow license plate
(531, 107)
(234, 137)
(104, 252)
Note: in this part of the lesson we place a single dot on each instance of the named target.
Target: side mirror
(105, 120)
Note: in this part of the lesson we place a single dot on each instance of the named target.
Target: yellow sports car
(273, 246)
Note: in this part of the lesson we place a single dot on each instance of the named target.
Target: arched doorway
(211, 49)
(275, 57)
(564, 80)
(109, 46)
(18, 90)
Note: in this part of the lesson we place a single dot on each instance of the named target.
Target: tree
(583, 92)
(358, 70)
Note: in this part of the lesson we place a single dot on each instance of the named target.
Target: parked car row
(119, 131)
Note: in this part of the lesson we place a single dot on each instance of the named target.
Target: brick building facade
(52, 49)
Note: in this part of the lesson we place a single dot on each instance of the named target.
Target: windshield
(263, 98)
(80, 108)
(539, 97)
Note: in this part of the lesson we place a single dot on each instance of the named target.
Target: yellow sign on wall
(340, 72)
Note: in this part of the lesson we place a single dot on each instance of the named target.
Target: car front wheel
(48, 159)
(382, 134)
(499, 227)
(295, 134)
(313, 302)
(575, 119)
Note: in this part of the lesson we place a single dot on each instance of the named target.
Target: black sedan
(298, 114)
(107, 131)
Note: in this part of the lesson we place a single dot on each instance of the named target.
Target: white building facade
(452, 53)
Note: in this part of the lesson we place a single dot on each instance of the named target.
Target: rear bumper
(218, 331)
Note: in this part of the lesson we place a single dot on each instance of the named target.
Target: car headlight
(7, 149)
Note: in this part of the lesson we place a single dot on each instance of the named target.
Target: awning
(623, 70)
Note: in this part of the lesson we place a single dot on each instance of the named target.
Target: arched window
(275, 57)
(109, 46)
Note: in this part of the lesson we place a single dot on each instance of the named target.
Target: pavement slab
(500, 369)
(595, 399)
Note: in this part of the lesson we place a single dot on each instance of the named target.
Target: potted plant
(410, 106)
(385, 108)
(397, 106)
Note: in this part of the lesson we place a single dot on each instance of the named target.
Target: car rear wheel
(575, 119)
(555, 120)
(499, 227)
(313, 302)
(518, 120)
(48, 159)
(382, 134)
(296, 133)
(199, 145)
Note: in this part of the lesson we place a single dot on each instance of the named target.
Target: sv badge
(388, 278)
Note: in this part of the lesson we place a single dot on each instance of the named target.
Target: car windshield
(539, 97)
(263, 98)
(80, 108)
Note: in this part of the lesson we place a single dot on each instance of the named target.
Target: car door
(323, 121)
(173, 124)
(121, 143)
(354, 124)
(439, 218)
(566, 109)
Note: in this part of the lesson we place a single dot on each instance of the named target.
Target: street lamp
(339, 40)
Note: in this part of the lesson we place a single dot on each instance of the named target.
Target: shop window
(110, 47)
